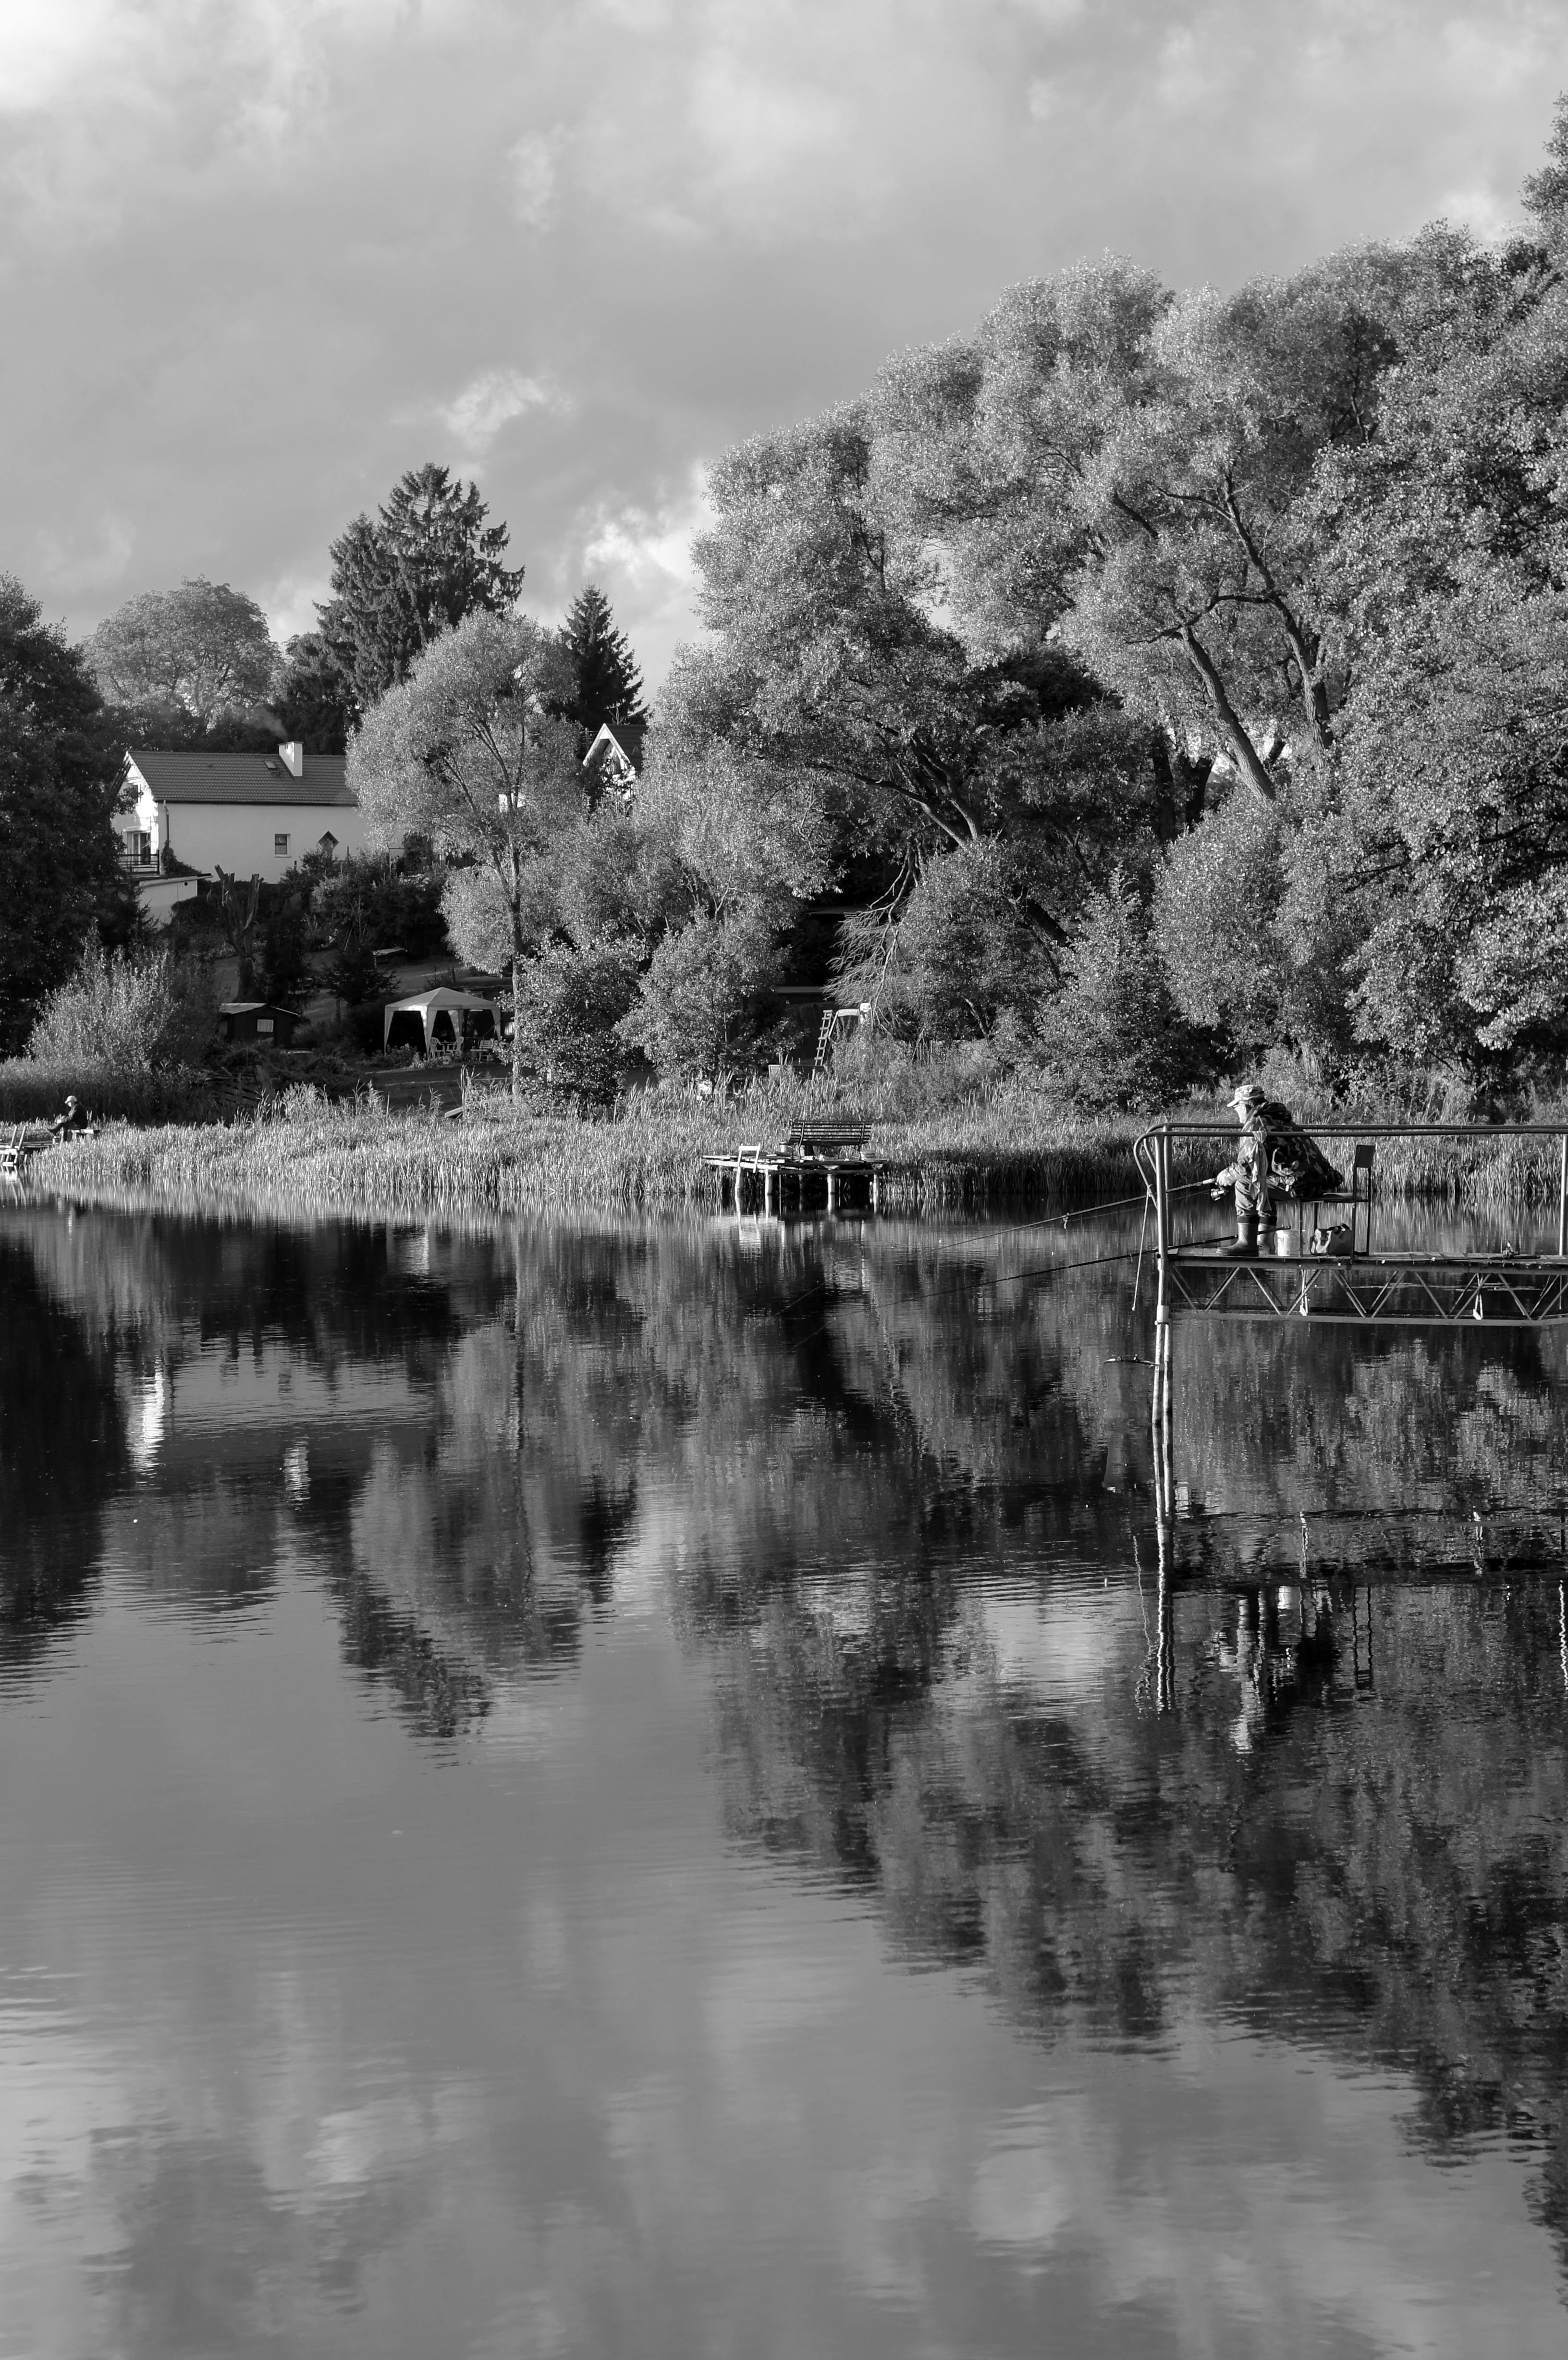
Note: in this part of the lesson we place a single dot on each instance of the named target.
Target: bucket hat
(1248, 1096)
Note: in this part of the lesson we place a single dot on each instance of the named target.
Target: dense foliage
(1180, 665)
(192, 654)
(60, 871)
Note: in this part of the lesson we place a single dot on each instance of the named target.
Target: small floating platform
(812, 1171)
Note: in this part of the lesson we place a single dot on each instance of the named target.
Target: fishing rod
(1095, 1262)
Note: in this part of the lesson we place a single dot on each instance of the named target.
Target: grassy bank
(654, 1156)
(1005, 1154)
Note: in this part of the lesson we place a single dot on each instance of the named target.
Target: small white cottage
(253, 814)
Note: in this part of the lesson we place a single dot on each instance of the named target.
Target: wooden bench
(816, 1143)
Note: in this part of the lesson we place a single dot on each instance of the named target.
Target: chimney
(292, 755)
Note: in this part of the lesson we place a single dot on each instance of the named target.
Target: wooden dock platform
(812, 1171)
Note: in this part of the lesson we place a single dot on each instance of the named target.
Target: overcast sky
(256, 257)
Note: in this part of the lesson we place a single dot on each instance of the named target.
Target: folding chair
(1358, 1197)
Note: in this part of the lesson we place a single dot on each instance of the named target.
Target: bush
(126, 1013)
(964, 958)
(1112, 1037)
(569, 1005)
(697, 1006)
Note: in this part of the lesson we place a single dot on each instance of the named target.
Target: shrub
(125, 1012)
(569, 1004)
(698, 1005)
(1112, 1037)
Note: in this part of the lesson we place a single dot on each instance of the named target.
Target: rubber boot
(1245, 1238)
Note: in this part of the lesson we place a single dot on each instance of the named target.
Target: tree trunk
(516, 1003)
(1246, 756)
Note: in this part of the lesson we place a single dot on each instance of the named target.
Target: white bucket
(1286, 1245)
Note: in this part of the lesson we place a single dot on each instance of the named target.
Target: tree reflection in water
(903, 1515)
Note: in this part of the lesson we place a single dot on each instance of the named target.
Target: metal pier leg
(1563, 1203)
(833, 1189)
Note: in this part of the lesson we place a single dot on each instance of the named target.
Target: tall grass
(33, 1090)
(986, 1153)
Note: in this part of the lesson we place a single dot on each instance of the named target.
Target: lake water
(635, 1791)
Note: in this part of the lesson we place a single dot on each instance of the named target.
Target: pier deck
(812, 1171)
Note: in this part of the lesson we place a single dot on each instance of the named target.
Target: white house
(253, 814)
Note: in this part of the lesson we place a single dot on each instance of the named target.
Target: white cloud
(476, 415)
(641, 557)
(535, 161)
(1482, 211)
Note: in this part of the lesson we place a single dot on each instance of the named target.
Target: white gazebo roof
(424, 1004)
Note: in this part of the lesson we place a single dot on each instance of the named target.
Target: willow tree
(467, 752)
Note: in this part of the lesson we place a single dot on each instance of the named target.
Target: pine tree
(427, 560)
(609, 686)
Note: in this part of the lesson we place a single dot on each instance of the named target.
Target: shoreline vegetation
(998, 1152)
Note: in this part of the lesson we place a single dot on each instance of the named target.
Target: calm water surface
(629, 1791)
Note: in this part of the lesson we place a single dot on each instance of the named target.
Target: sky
(259, 257)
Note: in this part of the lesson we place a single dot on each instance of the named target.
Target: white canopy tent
(426, 1006)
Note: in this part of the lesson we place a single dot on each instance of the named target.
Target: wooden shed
(261, 1021)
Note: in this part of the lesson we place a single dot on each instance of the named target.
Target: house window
(138, 844)
(264, 1024)
(280, 847)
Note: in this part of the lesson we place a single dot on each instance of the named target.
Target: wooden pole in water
(1162, 1308)
(1563, 1203)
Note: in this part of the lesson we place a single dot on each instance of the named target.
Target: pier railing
(1402, 1284)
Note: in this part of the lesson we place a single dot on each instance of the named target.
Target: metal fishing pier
(1329, 1274)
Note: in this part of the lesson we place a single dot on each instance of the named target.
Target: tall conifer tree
(427, 560)
(608, 683)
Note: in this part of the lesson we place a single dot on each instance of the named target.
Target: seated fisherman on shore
(1272, 1158)
(70, 1122)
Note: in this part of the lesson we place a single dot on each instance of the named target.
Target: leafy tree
(1113, 1038)
(963, 960)
(59, 870)
(698, 1008)
(607, 684)
(726, 857)
(467, 751)
(426, 561)
(310, 695)
(570, 1003)
(832, 666)
(201, 650)
(1454, 825)
(383, 899)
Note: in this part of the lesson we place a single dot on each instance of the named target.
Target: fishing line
(1087, 1212)
(1134, 1254)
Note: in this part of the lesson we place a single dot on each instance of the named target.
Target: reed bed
(653, 1155)
(33, 1091)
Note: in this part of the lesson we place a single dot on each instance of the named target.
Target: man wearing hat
(1250, 1173)
(1272, 1156)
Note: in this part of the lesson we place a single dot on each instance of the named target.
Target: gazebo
(461, 1010)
